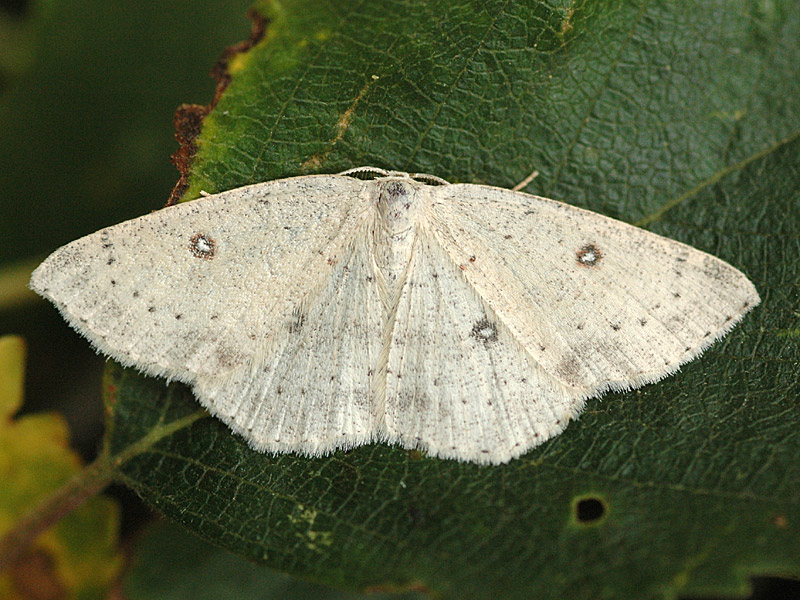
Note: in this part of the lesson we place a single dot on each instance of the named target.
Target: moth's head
(398, 201)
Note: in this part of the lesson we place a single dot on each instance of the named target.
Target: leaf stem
(85, 484)
(75, 492)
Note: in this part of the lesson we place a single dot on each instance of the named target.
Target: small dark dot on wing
(484, 331)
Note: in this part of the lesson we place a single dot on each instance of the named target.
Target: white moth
(325, 311)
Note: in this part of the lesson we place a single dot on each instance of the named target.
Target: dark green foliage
(682, 117)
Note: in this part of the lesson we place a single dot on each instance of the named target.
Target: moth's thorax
(399, 205)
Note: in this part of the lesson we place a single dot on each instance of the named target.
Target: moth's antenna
(369, 170)
(378, 172)
(424, 177)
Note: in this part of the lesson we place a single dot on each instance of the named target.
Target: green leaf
(171, 564)
(86, 109)
(679, 116)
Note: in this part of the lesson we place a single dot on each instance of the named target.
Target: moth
(328, 311)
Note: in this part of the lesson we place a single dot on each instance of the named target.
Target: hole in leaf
(589, 510)
(766, 588)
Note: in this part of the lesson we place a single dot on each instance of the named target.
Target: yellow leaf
(78, 557)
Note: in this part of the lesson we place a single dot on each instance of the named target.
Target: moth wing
(458, 383)
(595, 302)
(197, 290)
(309, 390)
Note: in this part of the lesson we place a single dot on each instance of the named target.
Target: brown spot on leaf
(188, 119)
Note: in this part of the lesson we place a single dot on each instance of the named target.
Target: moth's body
(397, 216)
(324, 312)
